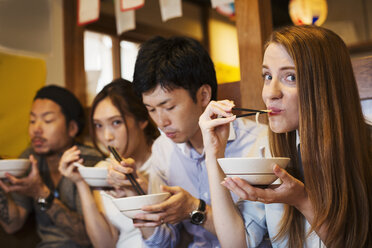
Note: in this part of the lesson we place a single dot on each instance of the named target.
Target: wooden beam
(362, 69)
(74, 51)
(116, 63)
(254, 25)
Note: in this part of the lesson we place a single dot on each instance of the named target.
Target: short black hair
(70, 105)
(176, 62)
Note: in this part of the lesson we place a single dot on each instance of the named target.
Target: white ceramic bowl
(256, 171)
(130, 206)
(94, 176)
(15, 167)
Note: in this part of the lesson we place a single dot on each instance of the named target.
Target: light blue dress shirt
(268, 222)
(181, 165)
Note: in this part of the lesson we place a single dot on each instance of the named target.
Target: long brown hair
(122, 96)
(336, 148)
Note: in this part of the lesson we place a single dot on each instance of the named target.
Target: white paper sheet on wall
(126, 5)
(170, 9)
(216, 3)
(88, 11)
(125, 20)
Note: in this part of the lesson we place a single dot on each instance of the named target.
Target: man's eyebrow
(43, 114)
(159, 104)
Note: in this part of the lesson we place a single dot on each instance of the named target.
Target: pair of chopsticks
(130, 176)
(250, 110)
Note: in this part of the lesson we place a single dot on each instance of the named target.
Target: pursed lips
(274, 110)
(170, 134)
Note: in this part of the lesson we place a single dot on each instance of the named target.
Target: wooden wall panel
(74, 52)
(363, 75)
(254, 25)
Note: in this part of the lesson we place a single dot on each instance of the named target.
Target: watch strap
(202, 205)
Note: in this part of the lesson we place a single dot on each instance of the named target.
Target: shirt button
(206, 195)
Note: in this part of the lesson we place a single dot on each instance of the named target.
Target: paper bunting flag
(170, 9)
(124, 20)
(131, 4)
(226, 9)
(216, 3)
(88, 11)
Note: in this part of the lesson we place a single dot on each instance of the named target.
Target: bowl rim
(7, 170)
(92, 168)
(140, 196)
(15, 159)
(254, 158)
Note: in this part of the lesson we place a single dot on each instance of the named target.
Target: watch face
(197, 217)
(42, 204)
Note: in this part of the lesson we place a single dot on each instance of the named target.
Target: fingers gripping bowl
(15, 167)
(130, 206)
(256, 171)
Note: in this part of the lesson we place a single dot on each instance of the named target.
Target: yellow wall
(20, 78)
(224, 50)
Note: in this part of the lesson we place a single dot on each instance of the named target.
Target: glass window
(97, 62)
(128, 55)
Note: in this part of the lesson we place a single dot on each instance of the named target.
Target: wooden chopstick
(250, 114)
(130, 176)
(250, 110)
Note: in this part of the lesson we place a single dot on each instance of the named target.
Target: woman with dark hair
(119, 119)
(310, 88)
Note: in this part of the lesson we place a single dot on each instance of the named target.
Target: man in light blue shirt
(176, 79)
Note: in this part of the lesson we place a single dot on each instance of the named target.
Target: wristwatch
(45, 203)
(197, 217)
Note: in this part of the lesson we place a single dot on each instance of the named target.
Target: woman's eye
(170, 108)
(116, 122)
(267, 76)
(97, 125)
(291, 78)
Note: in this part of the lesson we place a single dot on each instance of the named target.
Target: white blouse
(129, 236)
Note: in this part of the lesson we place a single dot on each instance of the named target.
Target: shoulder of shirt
(88, 150)
(162, 150)
(26, 153)
(90, 155)
(245, 126)
(162, 143)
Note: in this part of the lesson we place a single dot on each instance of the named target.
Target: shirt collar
(297, 138)
(189, 151)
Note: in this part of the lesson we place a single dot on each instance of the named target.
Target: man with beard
(56, 118)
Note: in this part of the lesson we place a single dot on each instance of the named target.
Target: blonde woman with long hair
(309, 85)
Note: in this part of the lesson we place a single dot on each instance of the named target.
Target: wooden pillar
(254, 25)
(74, 52)
(116, 63)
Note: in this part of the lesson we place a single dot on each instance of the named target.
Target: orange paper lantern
(308, 11)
